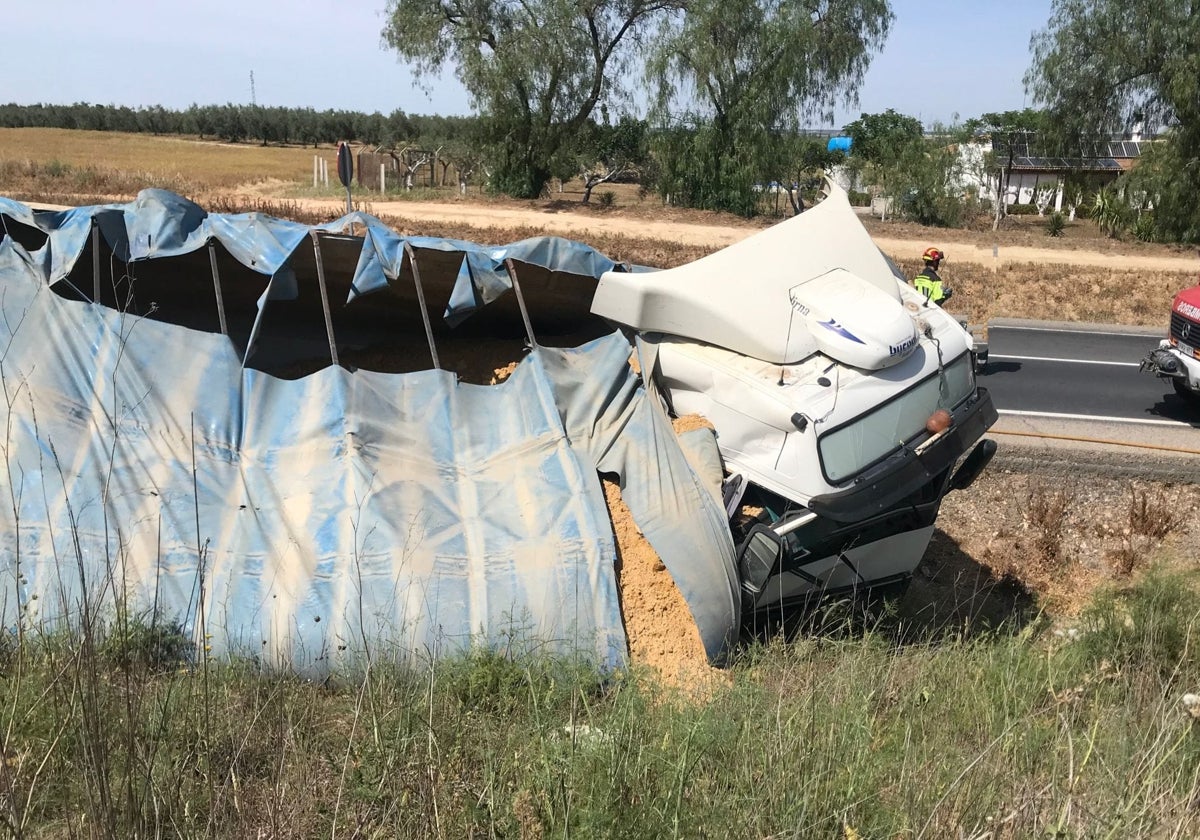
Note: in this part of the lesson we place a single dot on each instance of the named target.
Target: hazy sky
(944, 57)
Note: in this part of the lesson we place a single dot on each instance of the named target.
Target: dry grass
(1060, 292)
(204, 164)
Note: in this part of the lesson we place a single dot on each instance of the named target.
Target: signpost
(345, 166)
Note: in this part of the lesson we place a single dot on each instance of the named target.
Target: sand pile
(662, 634)
(690, 422)
(501, 374)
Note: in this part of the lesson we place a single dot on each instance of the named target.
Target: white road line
(1095, 417)
(1148, 334)
(1070, 361)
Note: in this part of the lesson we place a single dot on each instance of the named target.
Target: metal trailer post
(95, 261)
(412, 263)
(324, 297)
(512, 275)
(212, 260)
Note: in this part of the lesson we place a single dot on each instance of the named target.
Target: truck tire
(1184, 391)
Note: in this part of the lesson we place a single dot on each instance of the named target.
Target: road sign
(345, 163)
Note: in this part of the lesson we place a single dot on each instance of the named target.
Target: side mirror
(758, 556)
(970, 469)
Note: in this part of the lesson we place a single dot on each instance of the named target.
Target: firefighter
(928, 282)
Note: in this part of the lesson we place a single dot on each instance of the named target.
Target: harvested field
(118, 164)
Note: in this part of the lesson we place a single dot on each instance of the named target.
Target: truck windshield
(852, 448)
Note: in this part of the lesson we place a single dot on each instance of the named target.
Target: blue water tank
(839, 144)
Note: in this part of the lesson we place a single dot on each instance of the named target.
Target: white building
(1035, 178)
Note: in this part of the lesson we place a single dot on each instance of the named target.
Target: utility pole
(252, 99)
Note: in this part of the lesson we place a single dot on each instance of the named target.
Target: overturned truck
(285, 438)
(840, 396)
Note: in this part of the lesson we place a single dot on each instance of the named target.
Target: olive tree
(1104, 64)
(734, 79)
(535, 68)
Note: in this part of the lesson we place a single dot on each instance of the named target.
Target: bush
(57, 169)
(1110, 211)
(1056, 223)
(1022, 209)
(859, 199)
(607, 198)
(153, 648)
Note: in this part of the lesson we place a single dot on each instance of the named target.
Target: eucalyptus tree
(537, 69)
(735, 79)
(1101, 65)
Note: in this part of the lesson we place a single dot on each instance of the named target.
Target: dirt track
(577, 225)
(563, 221)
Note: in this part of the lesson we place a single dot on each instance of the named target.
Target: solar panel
(1059, 163)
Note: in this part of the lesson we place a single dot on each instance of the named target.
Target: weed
(607, 198)
(1154, 515)
(57, 169)
(1126, 557)
(1045, 515)
(1150, 626)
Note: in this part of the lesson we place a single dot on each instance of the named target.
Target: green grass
(1019, 733)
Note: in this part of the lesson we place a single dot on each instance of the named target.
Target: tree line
(247, 123)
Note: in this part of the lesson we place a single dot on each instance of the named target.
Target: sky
(944, 59)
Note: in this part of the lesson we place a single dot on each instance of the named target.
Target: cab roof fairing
(737, 298)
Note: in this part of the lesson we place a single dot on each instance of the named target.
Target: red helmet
(933, 255)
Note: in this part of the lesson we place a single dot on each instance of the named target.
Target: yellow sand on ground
(661, 631)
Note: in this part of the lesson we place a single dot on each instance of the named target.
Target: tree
(735, 78)
(1010, 133)
(801, 167)
(1100, 65)
(604, 153)
(923, 179)
(536, 68)
(881, 138)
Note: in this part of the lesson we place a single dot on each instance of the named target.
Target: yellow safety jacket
(930, 285)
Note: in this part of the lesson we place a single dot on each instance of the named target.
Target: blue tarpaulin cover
(348, 513)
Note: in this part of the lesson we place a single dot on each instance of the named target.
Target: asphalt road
(1058, 372)
(1080, 382)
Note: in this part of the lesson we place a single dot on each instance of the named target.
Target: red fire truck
(1177, 357)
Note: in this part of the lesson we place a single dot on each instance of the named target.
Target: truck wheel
(1184, 391)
